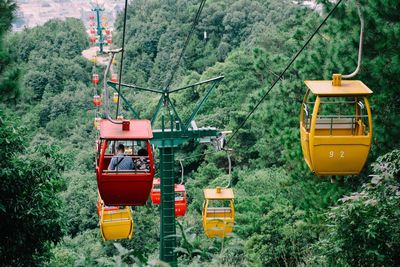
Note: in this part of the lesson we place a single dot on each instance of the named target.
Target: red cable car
(180, 197)
(92, 31)
(92, 39)
(95, 78)
(155, 192)
(92, 23)
(125, 187)
(109, 40)
(96, 100)
(114, 77)
(91, 17)
(107, 31)
(180, 200)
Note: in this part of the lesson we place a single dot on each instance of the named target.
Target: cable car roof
(179, 188)
(226, 193)
(138, 129)
(347, 88)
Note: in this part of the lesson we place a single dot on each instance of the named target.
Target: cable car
(91, 17)
(115, 222)
(92, 23)
(115, 98)
(125, 187)
(96, 100)
(336, 126)
(114, 78)
(218, 212)
(92, 31)
(95, 78)
(92, 39)
(180, 200)
(107, 31)
(97, 123)
(155, 192)
(109, 40)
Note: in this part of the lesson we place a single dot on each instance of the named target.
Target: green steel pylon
(168, 140)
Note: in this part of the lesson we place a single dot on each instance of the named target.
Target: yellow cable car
(218, 212)
(115, 222)
(336, 126)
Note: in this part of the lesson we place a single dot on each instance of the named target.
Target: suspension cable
(194, 24)
(360, 45)
(283, 72)
(122, 56)
(275, 82)
(182, 170)
(229, 168)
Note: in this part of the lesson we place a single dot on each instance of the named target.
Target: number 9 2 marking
(332, 154)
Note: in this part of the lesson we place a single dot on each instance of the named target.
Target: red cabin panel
(155, 192)
(125, 187)
(95, 78)
(180, 200)
(114, 77)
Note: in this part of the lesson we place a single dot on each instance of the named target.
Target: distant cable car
(92, 23)
(109, 40)
(91, 17)
(95, 78)
(92, 39)
(155, 192)
(105, 24)
(218, 212)
(107, 31)
(92, 31)
(96, 100)
(114, 78)
(125, 187)
(115, 98)
(115, 222)
(180, 200)
(97, 123)
(336, 126)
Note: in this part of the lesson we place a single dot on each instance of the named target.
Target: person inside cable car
(142, 163)
(121, 161)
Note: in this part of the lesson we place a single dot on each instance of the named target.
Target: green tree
(30, 209)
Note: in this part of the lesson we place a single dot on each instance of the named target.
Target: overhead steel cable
(194, 24)
(122, 56)
(283, 72)
(275, 82)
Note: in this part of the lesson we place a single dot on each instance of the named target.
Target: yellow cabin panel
(116, 224)
(305, 146)
(220, 227)
(339, 155)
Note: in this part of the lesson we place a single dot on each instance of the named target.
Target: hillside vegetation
(285, 216)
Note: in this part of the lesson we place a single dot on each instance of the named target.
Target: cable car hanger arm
(360, 46)
(105, 90)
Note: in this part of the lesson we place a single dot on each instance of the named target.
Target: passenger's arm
(111, 166)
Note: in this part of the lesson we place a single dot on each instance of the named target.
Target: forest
(285, 214)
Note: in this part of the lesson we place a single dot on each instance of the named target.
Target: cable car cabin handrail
(132, 156)
(342, 116)
(336, 122)
(218, 210)
(117, 220)
(332, 102)
(126, 171)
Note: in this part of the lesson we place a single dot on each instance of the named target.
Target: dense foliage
(284, 215)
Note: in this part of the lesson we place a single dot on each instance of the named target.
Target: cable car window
(341, 116)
